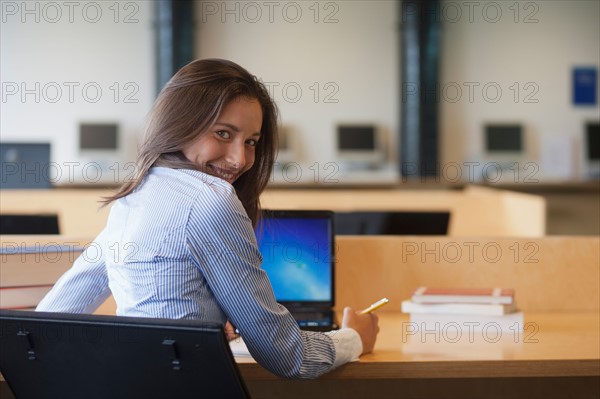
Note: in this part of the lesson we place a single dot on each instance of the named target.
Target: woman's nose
(236, 156)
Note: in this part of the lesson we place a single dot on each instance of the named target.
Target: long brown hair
(187, 107)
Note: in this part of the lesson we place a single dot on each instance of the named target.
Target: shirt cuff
(348, 345)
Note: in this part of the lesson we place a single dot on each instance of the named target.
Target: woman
(179, 240)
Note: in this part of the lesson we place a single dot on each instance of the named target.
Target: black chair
(53, 355)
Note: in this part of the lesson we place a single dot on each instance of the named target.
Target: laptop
(298, 252)
(61, 355)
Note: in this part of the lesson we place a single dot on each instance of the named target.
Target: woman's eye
(252, 142)
(223, 134)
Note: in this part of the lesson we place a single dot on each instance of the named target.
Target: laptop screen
(298, 255)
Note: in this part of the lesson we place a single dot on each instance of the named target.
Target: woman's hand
(367, 326)
(230, 331)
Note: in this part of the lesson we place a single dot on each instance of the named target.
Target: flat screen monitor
(592, 149)
(25, 165)
(98, 136)
(359, 144)
(503, 139)
(285, 151)
(593, 141)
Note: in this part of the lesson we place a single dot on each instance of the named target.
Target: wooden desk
(551, 345)
(557, 355)
(557, 281)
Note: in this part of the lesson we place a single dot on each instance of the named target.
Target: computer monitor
(96, 136)
(101, 155)
(25, 165)
(59, 355)
(592, 149)
(286, 148)
(504, 139)
(504, 149)
(359, 145)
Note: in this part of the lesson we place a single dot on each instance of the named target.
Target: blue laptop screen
(297, 255)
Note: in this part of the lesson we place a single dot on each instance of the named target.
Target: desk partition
(474, 211)
(549, 274)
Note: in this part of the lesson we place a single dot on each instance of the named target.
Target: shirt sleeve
(84, 287)
(222, 243)
(348, 345)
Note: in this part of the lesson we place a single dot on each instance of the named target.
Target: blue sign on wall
(585, 81)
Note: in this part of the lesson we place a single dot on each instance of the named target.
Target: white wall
(53, 50)
(352, 47)
(526, 49)
(538, 46)
(348, 48)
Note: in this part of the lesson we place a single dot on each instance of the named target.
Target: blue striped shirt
(182, 246)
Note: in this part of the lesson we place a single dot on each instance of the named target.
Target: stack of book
(464, 309)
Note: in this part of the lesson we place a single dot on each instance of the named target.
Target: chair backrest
(93, 356)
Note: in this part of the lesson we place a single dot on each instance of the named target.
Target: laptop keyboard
(311, 316)
(316, 321)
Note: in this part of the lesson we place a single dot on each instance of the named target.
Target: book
(453, 323)
(464, 295)
(23, 297)
(489, 309)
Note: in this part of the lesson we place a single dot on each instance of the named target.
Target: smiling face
(227, 149)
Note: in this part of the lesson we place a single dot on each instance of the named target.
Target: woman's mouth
(229, 175)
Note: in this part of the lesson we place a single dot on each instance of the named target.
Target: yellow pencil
(374, 306)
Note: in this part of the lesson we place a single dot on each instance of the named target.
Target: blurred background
(389, 92)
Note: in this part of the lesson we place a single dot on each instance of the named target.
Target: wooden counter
(474, 211)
